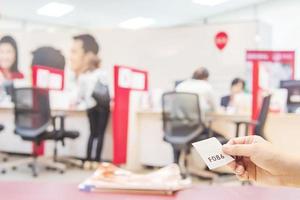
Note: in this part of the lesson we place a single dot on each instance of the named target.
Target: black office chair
(1, 127)
(183, 125)
(33, 122)
(258, 125)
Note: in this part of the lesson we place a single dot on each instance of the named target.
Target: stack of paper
(111, 178)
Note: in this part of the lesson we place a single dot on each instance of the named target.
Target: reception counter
(145, 141)
(281, 129)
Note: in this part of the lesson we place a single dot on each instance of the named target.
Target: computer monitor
(293, 88)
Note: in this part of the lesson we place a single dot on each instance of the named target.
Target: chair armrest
(250, 122)
(61, 118)
(247, 123)
(210, 132)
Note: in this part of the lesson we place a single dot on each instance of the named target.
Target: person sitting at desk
(199, 84)
(87, 77)
(237, 87)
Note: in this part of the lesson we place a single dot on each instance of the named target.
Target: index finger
(241, 140)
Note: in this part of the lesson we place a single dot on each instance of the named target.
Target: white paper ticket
(211, 152)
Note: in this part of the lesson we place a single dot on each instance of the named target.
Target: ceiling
(110, 13)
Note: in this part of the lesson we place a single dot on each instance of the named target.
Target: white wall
(174, 53)
(168, 54)
(281, 15)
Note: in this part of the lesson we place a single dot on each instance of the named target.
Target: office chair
(33, 122)
(183, 125)
(259, 125)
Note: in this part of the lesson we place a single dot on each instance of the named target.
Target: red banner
(126, 79)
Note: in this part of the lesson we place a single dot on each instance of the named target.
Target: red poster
(126, 79)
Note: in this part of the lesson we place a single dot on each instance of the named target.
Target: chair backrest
(263, 115)
(101, 95)
(32, 111)
(182, 121)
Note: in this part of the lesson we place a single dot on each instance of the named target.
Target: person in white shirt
(199, 84)
(87, 77)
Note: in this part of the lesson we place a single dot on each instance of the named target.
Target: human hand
(258, 160)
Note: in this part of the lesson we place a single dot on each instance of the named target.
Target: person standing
(90, 90)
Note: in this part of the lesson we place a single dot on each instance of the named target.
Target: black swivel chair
(258, 125)
(33, 122)
(183, 125)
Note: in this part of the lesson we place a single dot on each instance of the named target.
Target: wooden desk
(54, 191)
(149, 125)
(283, 130)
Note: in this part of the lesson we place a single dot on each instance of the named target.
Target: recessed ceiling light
(209, 2)
(55, 9)
(137, 23)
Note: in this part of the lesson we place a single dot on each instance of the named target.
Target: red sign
(221, 40)
(255, 57)
(126, 79)
(48, 77)
(271, 56)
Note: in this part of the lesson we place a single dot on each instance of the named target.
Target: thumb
(238, 150)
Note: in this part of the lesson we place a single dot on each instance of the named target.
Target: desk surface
(65, 110)
(51, 191)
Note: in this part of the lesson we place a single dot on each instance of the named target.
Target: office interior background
(146, 49)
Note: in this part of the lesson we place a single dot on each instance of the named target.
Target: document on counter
(211, 152)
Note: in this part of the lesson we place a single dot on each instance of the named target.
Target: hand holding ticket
(211, 152)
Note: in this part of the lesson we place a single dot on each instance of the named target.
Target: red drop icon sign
(221, 40)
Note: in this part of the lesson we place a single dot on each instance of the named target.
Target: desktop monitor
(293, 88)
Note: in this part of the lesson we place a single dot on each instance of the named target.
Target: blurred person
(237, 87)
(259, 160)
(90, 87)
(8, 64)
(84, 54)
(9, 59)
(238, 101)
(199, 84)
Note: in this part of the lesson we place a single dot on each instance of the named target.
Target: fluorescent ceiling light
(55, 9)
(137, 23)
(209, 2)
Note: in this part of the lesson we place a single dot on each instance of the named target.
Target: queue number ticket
(211, 152)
